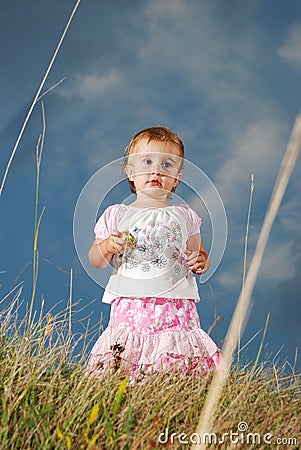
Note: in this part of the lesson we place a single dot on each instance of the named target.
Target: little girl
(155, 248)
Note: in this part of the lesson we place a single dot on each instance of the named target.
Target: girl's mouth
(155, 183)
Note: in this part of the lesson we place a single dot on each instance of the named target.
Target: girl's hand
(117, 243)
(197, 262)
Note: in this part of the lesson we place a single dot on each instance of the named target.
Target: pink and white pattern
(151, 334)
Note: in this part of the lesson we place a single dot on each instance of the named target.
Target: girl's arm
(103, 250)
(197, 257)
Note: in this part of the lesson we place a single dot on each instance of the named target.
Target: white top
(156, 266)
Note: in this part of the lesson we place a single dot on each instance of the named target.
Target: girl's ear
(129, 171)
(178, 179)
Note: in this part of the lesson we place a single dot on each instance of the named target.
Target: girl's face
(154, 167)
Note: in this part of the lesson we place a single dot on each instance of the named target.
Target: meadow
(48, 402)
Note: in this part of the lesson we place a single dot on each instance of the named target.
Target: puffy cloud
(89, 87)
(198, 67)
(255, 150)
(279, 262)
(291, 49)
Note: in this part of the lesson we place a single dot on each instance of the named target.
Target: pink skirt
(146, 335)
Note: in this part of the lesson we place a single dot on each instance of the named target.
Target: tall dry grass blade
(296, 358)
(35, 266)
(51, 89)
(56, 266)
(70, 302)
(261, 344)
(247, 231)
(36, 98)
(251, 340)
(216, 317)
(10, 292)
(246, 251)
(240, 313)
(37, 220)
(69, 309)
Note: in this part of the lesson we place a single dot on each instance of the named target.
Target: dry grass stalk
(239, 316)
(246, 252)
(38, 95)
(47, 403)
(37, 220)
(70, 303)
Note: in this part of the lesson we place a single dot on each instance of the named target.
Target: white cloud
(278, 262)
(256, 150)
(191, 38)
(230, 280)
(291, 49)
(90, 86)
(289, 215)
(216, 68)
(206, 61)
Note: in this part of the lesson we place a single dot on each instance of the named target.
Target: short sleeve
(107, 222)
(193, 221)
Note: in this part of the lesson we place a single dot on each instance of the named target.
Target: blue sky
(225, 75)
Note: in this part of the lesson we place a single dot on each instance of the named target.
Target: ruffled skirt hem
(140, 354)
(153, 334)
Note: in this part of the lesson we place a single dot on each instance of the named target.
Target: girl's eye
(147, 161)
(166, 165)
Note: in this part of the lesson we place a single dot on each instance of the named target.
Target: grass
(239, 317)
(47, 401)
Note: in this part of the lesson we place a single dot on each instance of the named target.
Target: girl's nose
(156, 169)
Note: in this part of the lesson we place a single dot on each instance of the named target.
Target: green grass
(47, 401)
